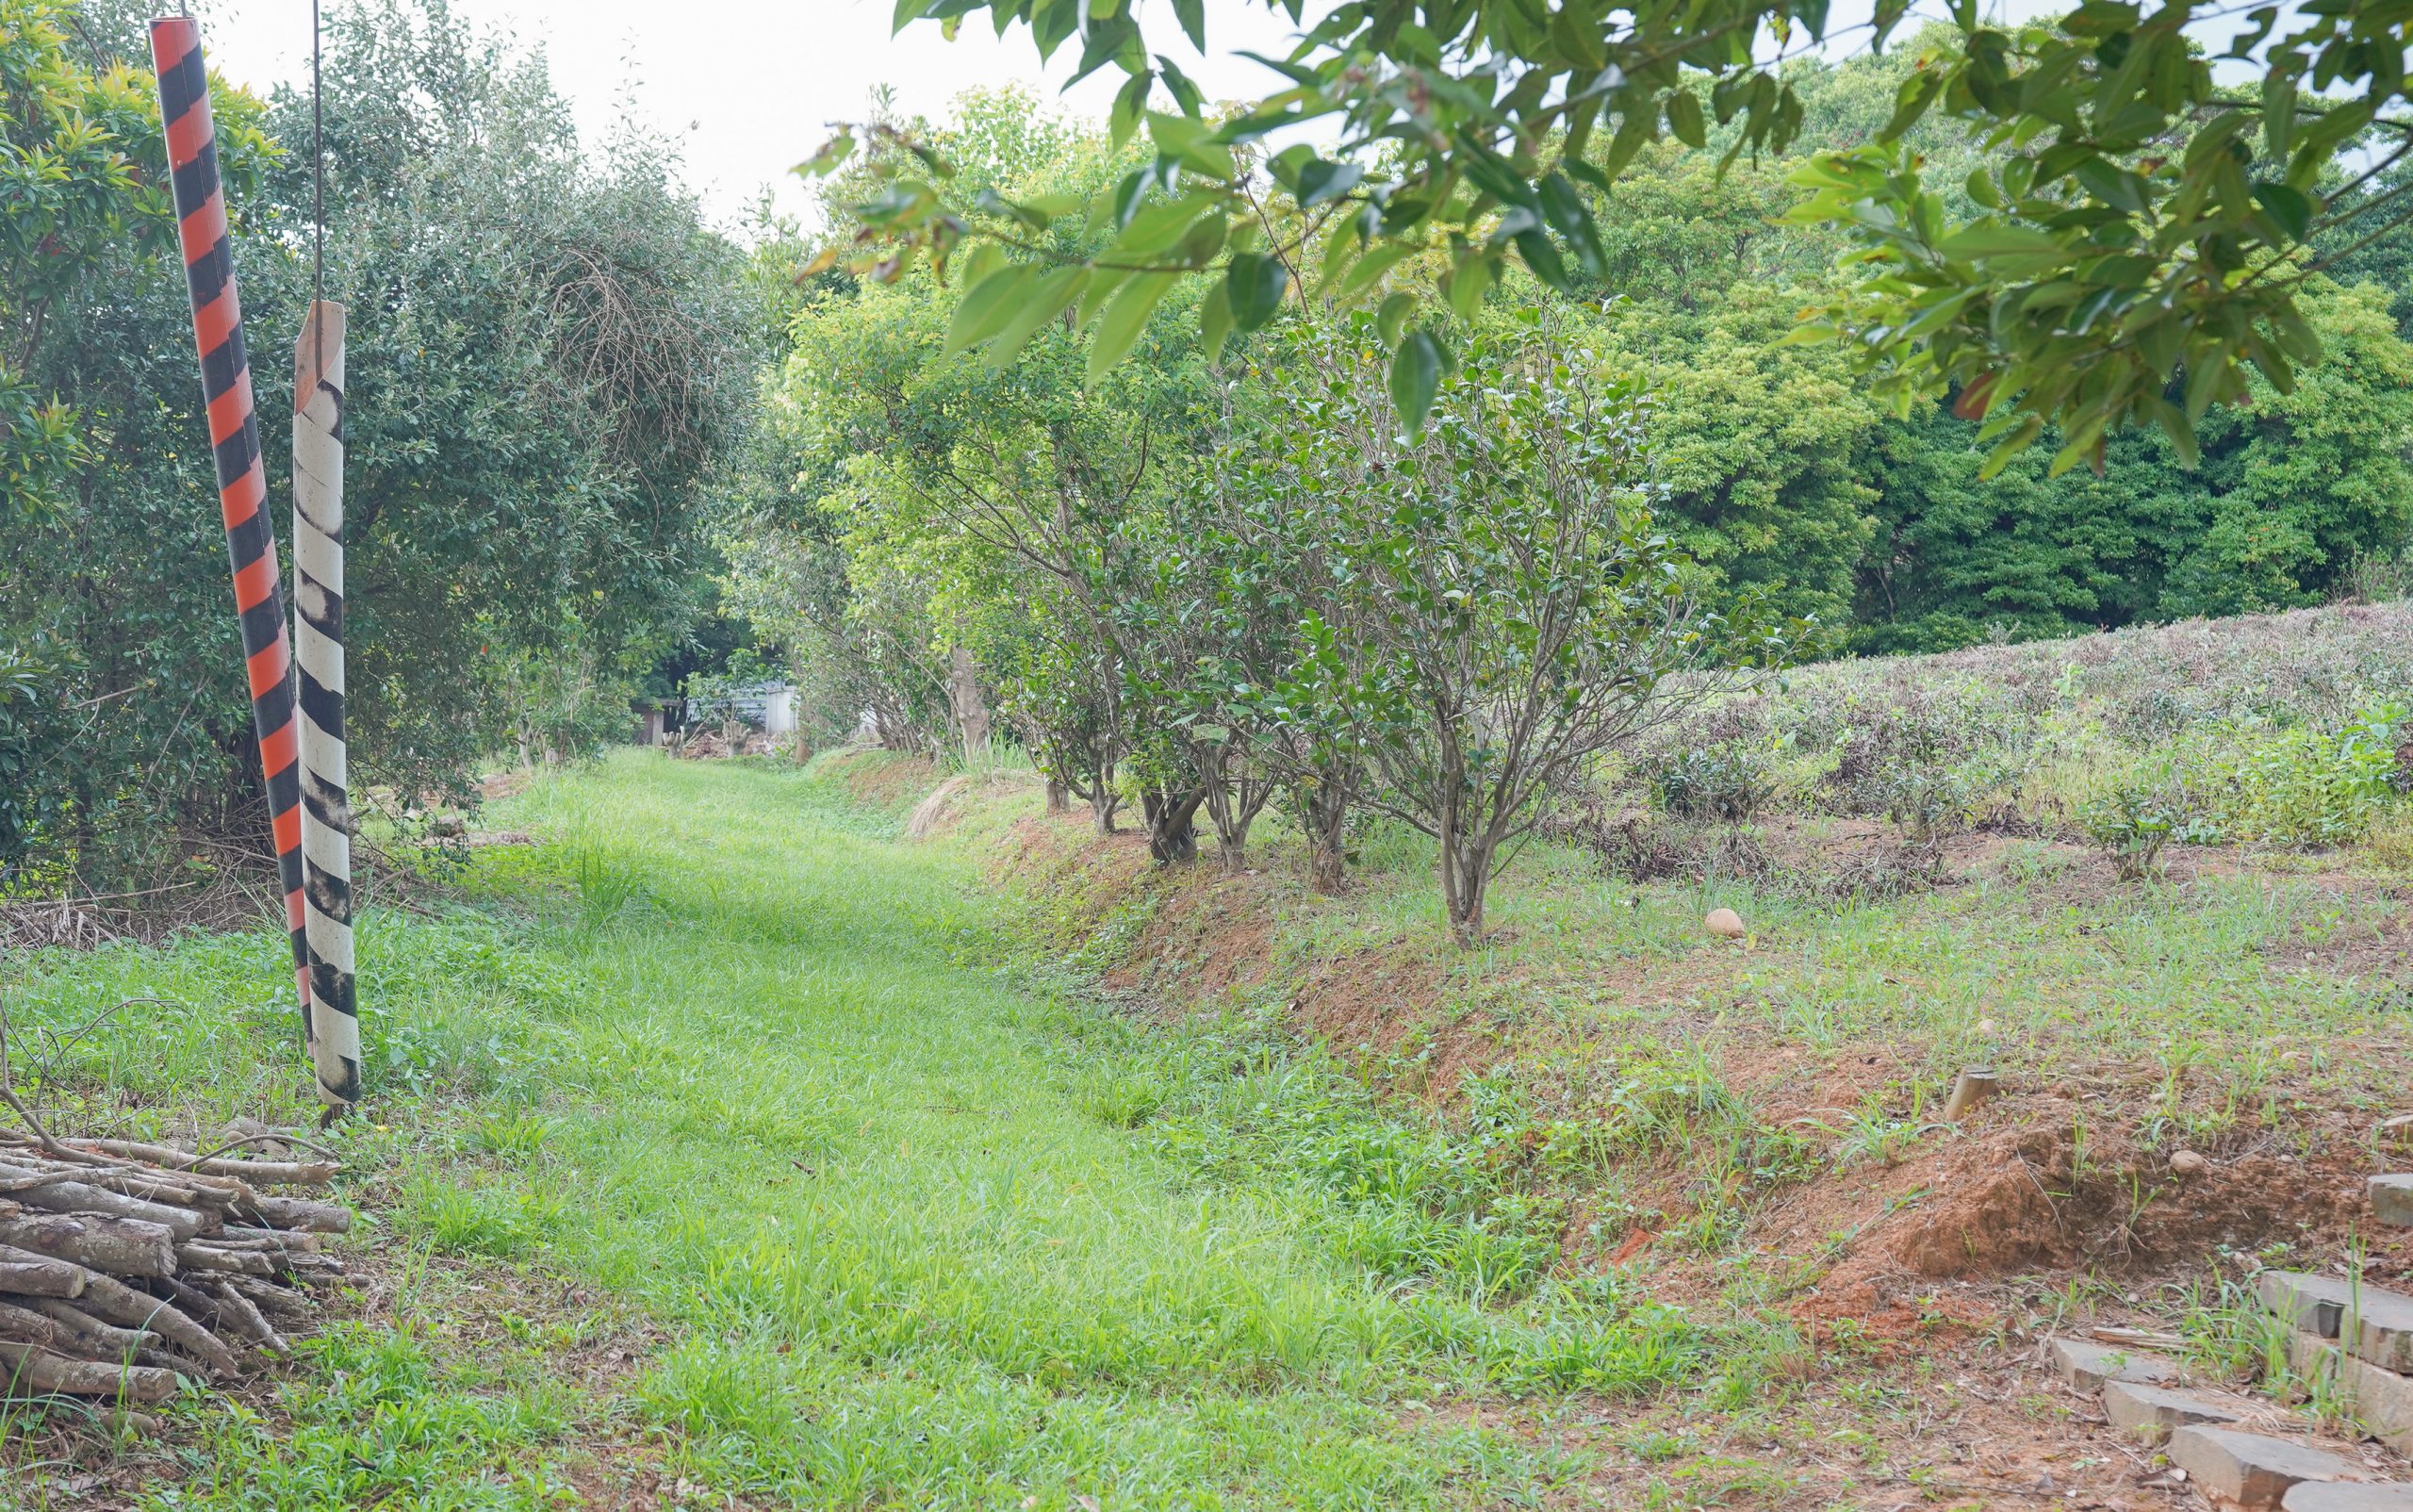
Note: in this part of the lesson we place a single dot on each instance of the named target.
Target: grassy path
(760, 1081)
(916, 1269)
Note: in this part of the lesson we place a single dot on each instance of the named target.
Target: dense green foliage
(2127, 249)
(1221, 575)
(548, 353)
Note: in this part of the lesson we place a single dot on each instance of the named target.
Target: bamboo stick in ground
(317, 655)
(29, 1274)
(122, 1246)
(32, 1369)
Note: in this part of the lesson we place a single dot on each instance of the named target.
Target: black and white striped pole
(318, 638)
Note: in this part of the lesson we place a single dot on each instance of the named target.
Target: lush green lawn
(722, 1051)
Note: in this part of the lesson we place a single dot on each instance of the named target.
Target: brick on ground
(2139, 1407)
(2381, 1321)
(2382, 1401)
(2350, 1496)
(2248, 1470)
(2087, 1365)
(2392, 1199)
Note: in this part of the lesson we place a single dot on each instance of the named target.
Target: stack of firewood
(124, 1266)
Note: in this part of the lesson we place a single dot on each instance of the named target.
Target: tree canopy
(2132, 242)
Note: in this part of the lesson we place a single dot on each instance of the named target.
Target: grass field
(715, 1080)
(727, 1149)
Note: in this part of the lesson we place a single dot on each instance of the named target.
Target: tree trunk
(1104, 800)
(1173, 829)
(1466, 876)
(1059, 798)
(964, 696)
(1323, 816)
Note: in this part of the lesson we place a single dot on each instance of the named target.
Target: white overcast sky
(750, 85)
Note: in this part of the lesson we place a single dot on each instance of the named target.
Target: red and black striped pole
(234, 443)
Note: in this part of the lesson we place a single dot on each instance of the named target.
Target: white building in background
(769, 707)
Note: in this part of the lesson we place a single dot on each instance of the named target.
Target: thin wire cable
(318, 170)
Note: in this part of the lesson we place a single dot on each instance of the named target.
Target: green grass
(904, 1226)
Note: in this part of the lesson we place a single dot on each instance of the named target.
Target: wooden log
(295, 1240)
(168, 1359)
(199, 1256)
(178, 1188)
(94, 1336)
(246, 1320)
(251, 1172)
(33, 1369)
(83, 1197)
(285, 1305)
(294, 1212)
(107, 1298)
(25, 1326)
(122, 1246)
(29, 1274)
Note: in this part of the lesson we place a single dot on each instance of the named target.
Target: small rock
(2350, 1496)
(2189, 1163)
(2087, 1365)
(2392, 1199)
(1986, 1028)
(2138, 1408)
(1724, 923)
(2248, 1468)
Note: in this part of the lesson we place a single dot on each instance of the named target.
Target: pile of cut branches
(127, 1268)
(124, 1266)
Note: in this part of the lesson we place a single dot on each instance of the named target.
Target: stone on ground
(1724, 923)
(2087, 1365)
(2392, 1199)
(2378, 1324)
(2350, 1496)
(2248, 1468)
(2135, 1406)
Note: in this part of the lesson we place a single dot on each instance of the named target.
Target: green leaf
(2278, 113)
(1393, 318)
(1986, 240)
(987, 307)
(1215, 320)
(1415, 377)
(1572, 218)
(2174, 424)
(1373, 265)
(1468, 282)
(1159, 226)
(1048, 298)
(1192, 16)
(2290, 207)
(1119, 329)
(1253, 285)
(1684, 118)
(1319, 181)
(1190, 141)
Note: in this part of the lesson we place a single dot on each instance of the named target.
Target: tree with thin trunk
(1526, 614)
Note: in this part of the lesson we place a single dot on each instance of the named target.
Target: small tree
(1526, 613)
